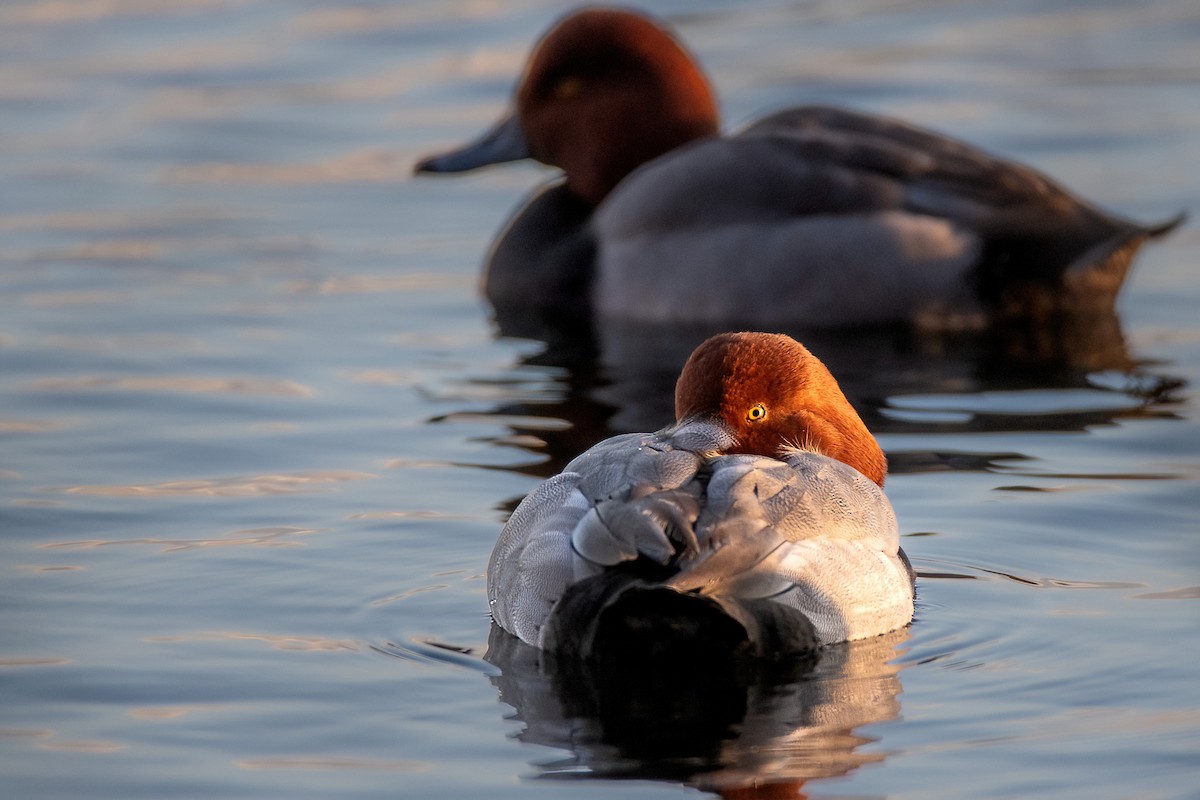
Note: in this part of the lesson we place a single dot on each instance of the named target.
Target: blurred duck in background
(814, 216)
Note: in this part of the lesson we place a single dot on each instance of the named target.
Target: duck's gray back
(796, 553)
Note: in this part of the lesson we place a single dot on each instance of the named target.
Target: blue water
(258, 432)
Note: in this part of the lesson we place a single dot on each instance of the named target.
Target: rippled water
(258, 434)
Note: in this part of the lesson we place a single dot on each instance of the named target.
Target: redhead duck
(756, 520)
(813, 216)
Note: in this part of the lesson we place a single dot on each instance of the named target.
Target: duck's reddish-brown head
(607, 90)
(772, 393)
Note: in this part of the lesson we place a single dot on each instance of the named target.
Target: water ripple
(260, 537)
(1186, 593)
(958, 571)
(242, 486)
(277, 641)
(333, 763)
(186, 384)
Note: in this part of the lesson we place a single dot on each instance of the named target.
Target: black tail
(1163, 228)
(618, 617)
(1036, 273)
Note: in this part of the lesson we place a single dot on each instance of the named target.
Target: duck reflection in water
(733, 728)
(623, 380)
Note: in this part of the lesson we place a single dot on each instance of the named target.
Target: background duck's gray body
(842, 219)
(822, 217)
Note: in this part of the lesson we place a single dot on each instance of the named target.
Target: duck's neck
(592, 174)
(846, 439)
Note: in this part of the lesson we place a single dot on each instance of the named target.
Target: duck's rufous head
(773, 394)
(603, 92)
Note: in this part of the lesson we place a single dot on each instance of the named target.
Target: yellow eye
(757, 413)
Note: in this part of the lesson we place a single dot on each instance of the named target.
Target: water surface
(258, 432)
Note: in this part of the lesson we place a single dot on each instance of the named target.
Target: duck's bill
(504, 142)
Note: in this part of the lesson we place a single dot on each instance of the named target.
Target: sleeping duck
(755, 523)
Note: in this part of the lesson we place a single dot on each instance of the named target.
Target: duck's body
(800, 552)
(833, 218)
(813, 216)
(695, 532)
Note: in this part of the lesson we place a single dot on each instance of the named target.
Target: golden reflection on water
(97, 746)
(372, 19)
(358, 166)
(278, 642)
(414, 514)
(74, 298)
(40, 568)
(107, 250)
(384, 377)
(226, 487)
(53, 12)
(259, 537)
(383, 601)
(25, 733)
(155, 713)
(282, 483)
(372, 284)
(17, 661)
(83, 746)
(187, 384)
(111, 220)
(29, 426)
(1184, 593)
(115, 343)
